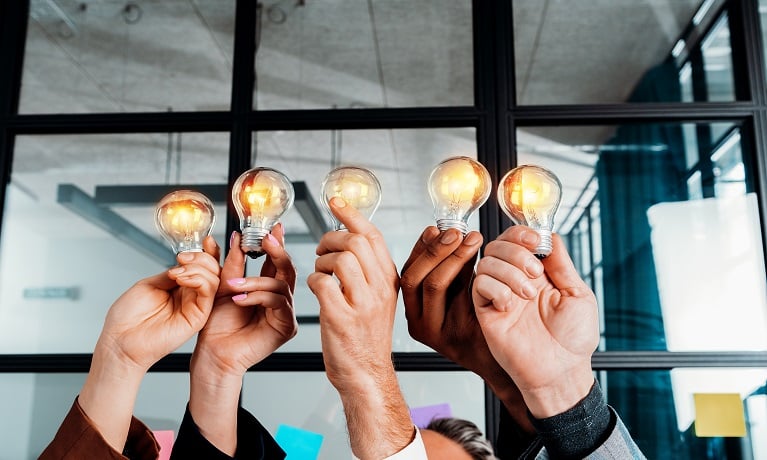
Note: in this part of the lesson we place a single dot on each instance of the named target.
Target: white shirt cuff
(413, 451)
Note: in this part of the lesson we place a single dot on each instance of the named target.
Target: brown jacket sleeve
(77, 438)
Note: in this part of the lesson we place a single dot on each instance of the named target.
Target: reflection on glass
(717, 63)
(143, 56)
(634, 207)
(351, 54)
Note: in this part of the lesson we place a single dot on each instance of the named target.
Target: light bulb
(358, 186)
(458, 186)
(261, 196)
(530, 195)
(185, 218)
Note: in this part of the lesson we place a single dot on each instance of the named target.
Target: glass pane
(659, 409)
(320, 410)
(145, 56)
(588, 52)
(401, 159)
(352, 54)
(69, 248)
(669, 258)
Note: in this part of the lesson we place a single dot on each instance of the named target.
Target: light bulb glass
(357, 186)
(530, 195)
(458, 186)
(260, 196)
(184, 218)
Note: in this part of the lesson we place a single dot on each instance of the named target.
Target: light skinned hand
(357, 310)
(539, 319)
(436, 288)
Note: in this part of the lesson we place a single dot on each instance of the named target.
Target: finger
(328, 293)
(210, 246)
(268, 268)
(234, 265)
(440, 283)
(197, 277)
(508, 274)
(374, 269)
(357, 223)
(488, 291)
(257, 284)
(278, 263)
(161, 281)
(349, 273)
(521, 235)
(560, 269)
(517, 255)
(205, 260)
(427, 236)
(281, 307)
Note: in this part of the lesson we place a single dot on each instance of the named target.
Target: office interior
(653, 114)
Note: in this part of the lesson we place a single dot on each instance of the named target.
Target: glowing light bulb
(530, 195)
(261, 196)
(358, 186)
(458, 186)
(185, 218)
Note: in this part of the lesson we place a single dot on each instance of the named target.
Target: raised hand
(357, 310)
(539, 319)
(436, 288)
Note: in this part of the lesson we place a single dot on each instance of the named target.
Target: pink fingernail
(231, 239)
(272, 239)
(234, 282)
(239, 297)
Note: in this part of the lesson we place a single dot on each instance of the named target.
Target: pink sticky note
(423, 415)
(165, 439)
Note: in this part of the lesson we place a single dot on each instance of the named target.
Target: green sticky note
(719, 415)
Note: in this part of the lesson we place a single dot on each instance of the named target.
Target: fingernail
(272, 239)
(177, 270)
(185, 256)
(529, 290)
(530, 238)
(339, 202)
(239, 297)
(472, 239)
(231, 239)
(534, 268)
(448, 237)
(234, 282)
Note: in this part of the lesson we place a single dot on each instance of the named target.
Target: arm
(251, 318)
(151, 319)
(356, 322)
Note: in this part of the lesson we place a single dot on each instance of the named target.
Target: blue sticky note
(423, 415)
(297, 443)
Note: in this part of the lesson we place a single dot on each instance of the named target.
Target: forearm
(377, 416)
(213, 404)
(109, 395)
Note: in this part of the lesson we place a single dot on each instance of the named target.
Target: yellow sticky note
(719, 415)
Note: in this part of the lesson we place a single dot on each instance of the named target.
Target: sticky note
(423, 415)
(299, 444)
(719, 415)
(165, 439)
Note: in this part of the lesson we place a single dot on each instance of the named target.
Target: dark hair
(466, 434)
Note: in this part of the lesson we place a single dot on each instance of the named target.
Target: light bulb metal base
(444, 224)
(251, 241)
(544, 247)
(189, 250)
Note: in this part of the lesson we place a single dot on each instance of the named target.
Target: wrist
(561, 395)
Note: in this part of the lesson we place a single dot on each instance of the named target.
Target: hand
(436, 288)
(151, 319)
(251, 318)
(356, 322)
(539, 319)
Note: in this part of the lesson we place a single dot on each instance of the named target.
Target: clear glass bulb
(458, 186)
(530, 196)
(184, 218)
(260, 196)
(357, 186)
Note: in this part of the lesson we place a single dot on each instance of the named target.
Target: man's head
(456, 439)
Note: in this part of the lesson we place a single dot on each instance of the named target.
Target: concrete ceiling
(149, 55)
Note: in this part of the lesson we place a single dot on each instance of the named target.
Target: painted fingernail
(272, 239)
(472, 239)
(234, 282)
(177, 270)
(239, 297)
(530, 238)
(185, 256)
(529, 290)
(534, 268)
(231, 239)
(448, 237)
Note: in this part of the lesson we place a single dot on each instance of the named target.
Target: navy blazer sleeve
(253, 441)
